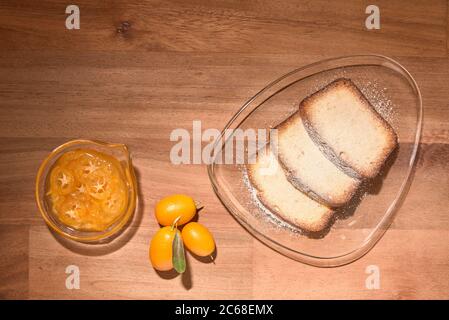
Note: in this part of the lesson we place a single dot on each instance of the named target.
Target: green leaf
(179, 257)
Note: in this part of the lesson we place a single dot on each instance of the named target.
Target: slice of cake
(308, 169)
(280, 197)
(348, 129)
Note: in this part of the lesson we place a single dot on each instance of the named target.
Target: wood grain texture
(180, 61)
(400, 278)
(230, 26)
(14, 261)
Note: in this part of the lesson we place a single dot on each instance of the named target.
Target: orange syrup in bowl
(87, 190)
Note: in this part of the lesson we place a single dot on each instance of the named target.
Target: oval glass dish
(117, 151)
(394, 94)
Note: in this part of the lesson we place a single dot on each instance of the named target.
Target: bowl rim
(383, 224)
(96, 236)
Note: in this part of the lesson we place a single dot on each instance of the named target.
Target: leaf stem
(198, 205)
(175, 223)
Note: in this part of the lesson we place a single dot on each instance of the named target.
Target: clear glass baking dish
(395, 95)
(118, 151)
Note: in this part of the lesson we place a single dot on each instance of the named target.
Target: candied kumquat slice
(62, 181)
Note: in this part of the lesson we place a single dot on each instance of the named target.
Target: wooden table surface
(136, 70)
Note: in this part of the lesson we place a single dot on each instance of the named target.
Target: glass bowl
(121, 153)
(394, 94)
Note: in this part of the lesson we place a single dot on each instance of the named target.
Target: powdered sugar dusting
(268, 214)
(378, 97)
